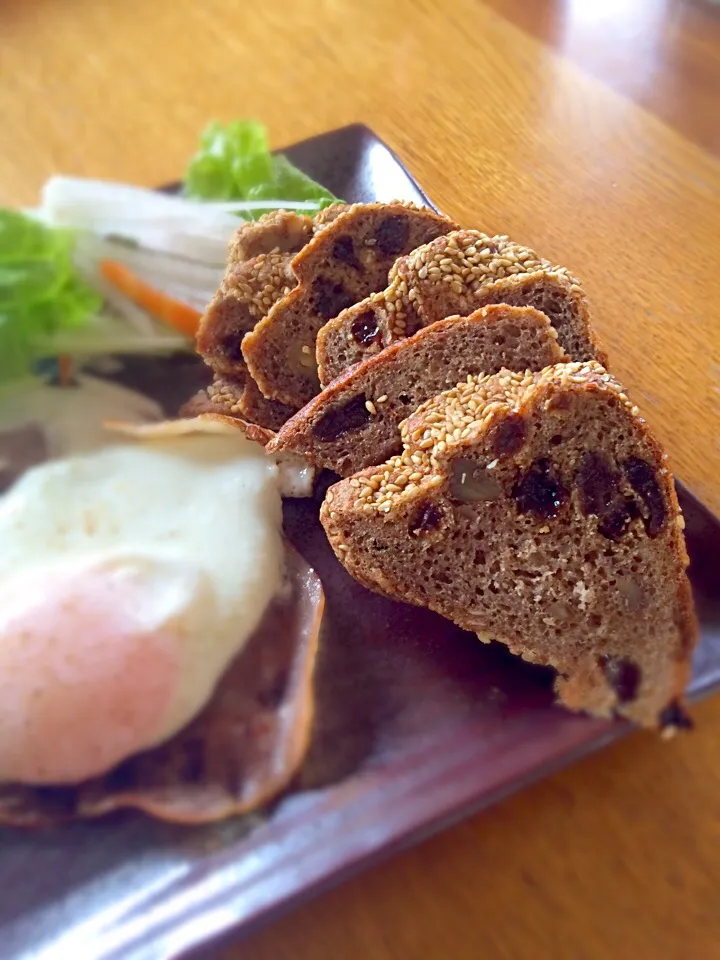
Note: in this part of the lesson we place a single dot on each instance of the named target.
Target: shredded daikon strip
(249, 206)
(155, 221)
(193, 283)
(170, 224)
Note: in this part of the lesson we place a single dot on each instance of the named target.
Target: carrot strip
(65, 370)
(175, 313)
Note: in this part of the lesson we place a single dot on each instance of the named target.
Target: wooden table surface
(589, 130)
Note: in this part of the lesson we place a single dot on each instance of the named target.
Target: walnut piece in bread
(355, 421)
(344, 262)
(456, 274)
(536, 509)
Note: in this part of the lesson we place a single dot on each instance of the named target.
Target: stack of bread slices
(493, 470)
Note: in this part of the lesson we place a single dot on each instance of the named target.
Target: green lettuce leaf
(40, 292)
(234, 163)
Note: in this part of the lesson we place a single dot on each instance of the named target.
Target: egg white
(189, 525)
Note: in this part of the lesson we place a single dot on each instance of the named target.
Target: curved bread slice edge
(247, 293)
(223, 399)
(258, 273)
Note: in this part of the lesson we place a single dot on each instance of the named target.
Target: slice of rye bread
(536, 509)
(457, 274)
(258, 274)
(344, 262)
(355, 421)
(281, 231)
(258, 409)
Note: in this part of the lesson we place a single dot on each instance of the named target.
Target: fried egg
(130, 577)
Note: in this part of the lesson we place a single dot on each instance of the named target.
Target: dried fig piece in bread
(456, 274)
(560, 536)
(355, 421)
(344, 262)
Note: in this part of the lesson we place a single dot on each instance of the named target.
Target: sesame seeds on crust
(240, 397)
(459, 416)
(283, 231)
(325, 216)
(260, 282)
(465, 260)
(248, 291)
(397, 302)
(225, 394)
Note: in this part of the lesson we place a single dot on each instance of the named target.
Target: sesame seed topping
(458, 417)
(467, 261)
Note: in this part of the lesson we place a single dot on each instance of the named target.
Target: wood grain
(618, 855)
(614, 858)
(662, 54)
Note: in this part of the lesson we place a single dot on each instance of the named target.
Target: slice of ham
(238, 754)
(296, 475)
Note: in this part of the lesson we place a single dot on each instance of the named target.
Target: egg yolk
(89, 663)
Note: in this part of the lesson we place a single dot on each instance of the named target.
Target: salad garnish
(104, 267)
